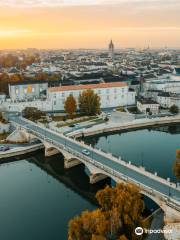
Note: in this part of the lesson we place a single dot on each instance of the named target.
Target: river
(153, 148)
(38, 197)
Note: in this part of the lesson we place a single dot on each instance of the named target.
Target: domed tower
(111, 49)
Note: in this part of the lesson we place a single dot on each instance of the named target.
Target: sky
(67, 24)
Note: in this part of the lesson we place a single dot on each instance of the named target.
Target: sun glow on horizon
(74, 24)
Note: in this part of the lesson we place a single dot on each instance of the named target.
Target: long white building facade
(164, 85)
(111, 94)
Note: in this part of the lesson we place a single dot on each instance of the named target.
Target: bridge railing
(109, 171)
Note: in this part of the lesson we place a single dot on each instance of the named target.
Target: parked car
(72, 125)
(86, 152)
(4, 148)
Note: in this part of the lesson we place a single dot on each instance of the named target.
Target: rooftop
(88, 86)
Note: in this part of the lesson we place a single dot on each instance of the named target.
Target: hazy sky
(89, 23)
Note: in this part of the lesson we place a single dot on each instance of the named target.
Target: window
(115, 90)
(33, 90)
(25, 90)
(99, 91)
(63, 94)
(107, 90)
(16, 90)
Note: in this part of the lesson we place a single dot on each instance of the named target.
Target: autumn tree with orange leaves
(119, 214)
(70, 105)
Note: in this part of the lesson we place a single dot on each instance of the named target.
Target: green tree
(174, 109)
(89, 103)
(70, 105)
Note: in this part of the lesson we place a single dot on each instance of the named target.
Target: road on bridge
(152, 183)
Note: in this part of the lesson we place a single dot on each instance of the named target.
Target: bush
(32, 113)
(174, 109)
(2, 119)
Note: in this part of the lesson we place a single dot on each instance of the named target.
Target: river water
(154, 148)
(37, 203)
(38, 197)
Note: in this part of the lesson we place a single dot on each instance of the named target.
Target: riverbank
(110, 127)
(16, 152)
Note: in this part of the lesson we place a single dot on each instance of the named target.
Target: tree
(174, 109)
(4, 80)
(176, 166)
(2, 119)
(41, 76)
(32, 113)
(16, 78)
(119, 214)
(70, 105)
(89, 102)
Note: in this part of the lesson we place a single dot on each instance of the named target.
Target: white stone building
(27, 90)
(20, 106)
(111, 94)
(167, 100)
(148, 105)
(165, 85)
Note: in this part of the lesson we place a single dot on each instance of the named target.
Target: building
(148, 106)
(2, 97)
(111, 49)
(27, 90)
(164, 85)
(111, 94)
(166, 99)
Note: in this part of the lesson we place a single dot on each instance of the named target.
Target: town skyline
(74, 24)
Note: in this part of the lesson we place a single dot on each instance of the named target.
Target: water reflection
(151, 148)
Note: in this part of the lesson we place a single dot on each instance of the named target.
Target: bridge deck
(162, 187)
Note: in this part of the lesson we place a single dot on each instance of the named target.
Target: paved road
(105, 160)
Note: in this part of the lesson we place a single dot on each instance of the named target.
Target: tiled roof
(87, 86)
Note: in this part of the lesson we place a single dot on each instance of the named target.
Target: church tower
(111, 50)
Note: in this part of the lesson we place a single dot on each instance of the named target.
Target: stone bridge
(102, 165)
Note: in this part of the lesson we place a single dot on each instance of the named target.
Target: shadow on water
(74, 178)
(77, 180)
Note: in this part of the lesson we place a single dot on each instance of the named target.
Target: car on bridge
(86, 152)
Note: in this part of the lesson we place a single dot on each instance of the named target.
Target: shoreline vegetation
(120, 212)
